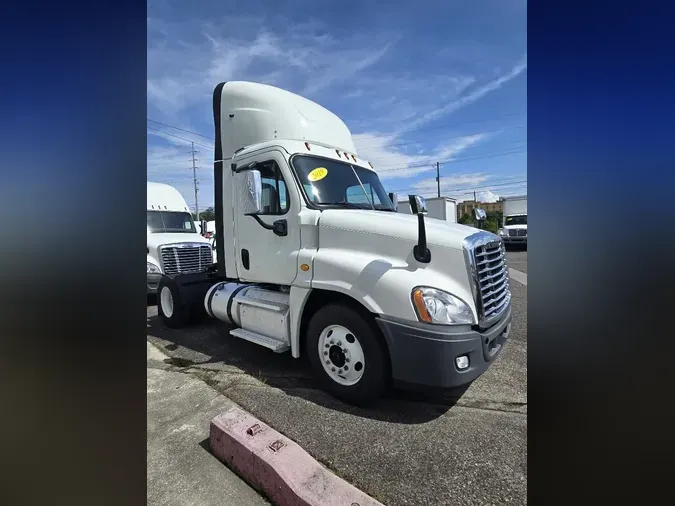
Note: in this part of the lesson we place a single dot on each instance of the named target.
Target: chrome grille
(487, 264)
(185, 258)
(517, 232)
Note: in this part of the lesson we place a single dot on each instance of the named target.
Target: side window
(355, 195)
(274, 191)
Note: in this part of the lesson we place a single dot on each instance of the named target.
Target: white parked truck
(174, 244)
(313, 259)
(514, 226)
(440, 208)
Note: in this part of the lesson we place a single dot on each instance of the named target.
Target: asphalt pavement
(406, 450)
(517, 259)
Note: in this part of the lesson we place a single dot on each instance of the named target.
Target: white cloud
(487, 196)
(304, 60)
(388, 105)
(391, 162)
(479, 92)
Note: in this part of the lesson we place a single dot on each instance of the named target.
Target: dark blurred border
(600, 163)
(72, 300)
(73, 143)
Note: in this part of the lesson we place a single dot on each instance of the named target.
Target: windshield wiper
(351, 205)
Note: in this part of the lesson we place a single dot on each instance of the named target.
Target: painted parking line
(519, 276)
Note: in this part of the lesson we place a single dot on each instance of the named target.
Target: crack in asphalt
(209, 376)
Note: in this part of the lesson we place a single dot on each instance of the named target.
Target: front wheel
(170, 305)
(347, 355)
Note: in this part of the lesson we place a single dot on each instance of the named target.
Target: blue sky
(423, 82)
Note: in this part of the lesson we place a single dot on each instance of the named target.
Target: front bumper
(423, 355)
(522, 239)
(153, 282)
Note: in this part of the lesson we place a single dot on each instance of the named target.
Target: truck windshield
(516, 220)
(170, 222)
(332, 183)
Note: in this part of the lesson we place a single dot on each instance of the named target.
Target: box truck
(174, 243)
(514, 226)
(313, 259)
(440, 208)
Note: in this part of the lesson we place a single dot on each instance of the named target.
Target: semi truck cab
(313, 259)
(174, 244)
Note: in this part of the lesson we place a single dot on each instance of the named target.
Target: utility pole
(438, 178)
(194, 179)
(474, 196)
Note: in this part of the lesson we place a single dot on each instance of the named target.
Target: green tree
(209, 214)
(466, 219)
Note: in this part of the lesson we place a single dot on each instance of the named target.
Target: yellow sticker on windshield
(317, 174)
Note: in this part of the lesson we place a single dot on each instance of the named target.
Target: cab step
(268, 342)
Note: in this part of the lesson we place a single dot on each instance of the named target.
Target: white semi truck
(313, 259)
(514, 227)
(174, 244)
(440, 208)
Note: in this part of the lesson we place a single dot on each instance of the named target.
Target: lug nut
(325, 353)
(327, 345)
(346, 367)
(332, 369)
(339, 371)
(339, 343)
(346, 359)
(327, 362)
(332, 342)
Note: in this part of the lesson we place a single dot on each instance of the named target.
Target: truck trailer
(313, 259)
(439, 208)
(514, 226)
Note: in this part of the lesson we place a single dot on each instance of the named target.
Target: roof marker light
(353, 158)
(338, 153)
(307, 146)
(371, 165)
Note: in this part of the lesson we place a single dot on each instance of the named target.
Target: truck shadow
(208, 349)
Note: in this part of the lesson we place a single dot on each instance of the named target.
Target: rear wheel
(347, 355)
(170, 305)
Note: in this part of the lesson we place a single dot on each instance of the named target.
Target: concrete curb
(277, 466)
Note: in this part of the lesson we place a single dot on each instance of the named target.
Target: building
(468, 206)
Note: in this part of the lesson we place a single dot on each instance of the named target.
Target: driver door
(264, 255)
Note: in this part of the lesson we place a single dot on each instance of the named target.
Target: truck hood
(155, 240)
(397, 226)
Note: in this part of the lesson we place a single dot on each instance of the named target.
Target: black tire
(182, 312)
(375, 379)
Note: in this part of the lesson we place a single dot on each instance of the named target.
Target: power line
(177, 137)
(156, 158)
(180, 129)
(470, 188)
(169, 163)
(510, 151)
(389, 146)
(428, 129)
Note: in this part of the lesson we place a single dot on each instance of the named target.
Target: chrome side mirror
(479, 214)
(417, 204)
(252, 195)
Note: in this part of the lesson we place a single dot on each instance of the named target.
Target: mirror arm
(260, 222)
(420, 250)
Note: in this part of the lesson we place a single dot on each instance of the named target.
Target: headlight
(153, 269)
(436, 306)
(502, 232)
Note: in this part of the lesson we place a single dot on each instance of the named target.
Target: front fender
(384, 284)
